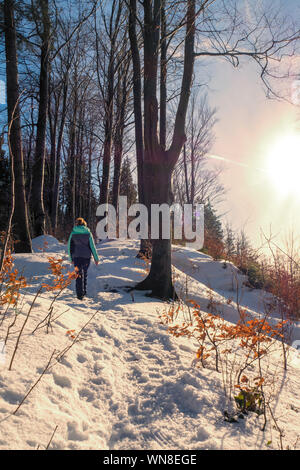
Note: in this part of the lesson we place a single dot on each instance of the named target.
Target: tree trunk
(117, 173)
(121, 103)
(53, 121)
(108, 131)
(37, 194)
(186, 176)
(20, 220)
(145, 248)
(57, 156)
(72, 156)
(158, 177)
(163, 80)
(159, 164)
(89, 195)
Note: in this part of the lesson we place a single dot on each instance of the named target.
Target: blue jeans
(82, 264)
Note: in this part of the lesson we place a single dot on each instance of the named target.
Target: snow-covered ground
(128, 384)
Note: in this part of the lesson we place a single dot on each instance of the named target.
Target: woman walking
(80, 248)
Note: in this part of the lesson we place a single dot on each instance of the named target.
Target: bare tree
(121, 110)
(193, 181)
(221, 29)
(19, 205)
(37, 192)
(112, 22)
(137, 106)
(158, 164)
(57, 114)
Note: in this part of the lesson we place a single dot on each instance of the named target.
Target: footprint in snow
(131, 356)
(138, 375)
(62, 381)
(201, 435)
(156, 358)
(74, 434)
(66, 363)
(154, 375)
(12, 397)
(81, 358)
(86, 394)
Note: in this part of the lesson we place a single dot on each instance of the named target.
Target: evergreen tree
(229, 241)
(213, 232)
(212, 222)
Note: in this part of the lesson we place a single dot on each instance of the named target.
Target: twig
(47, 318)
(40, 325)
(11, 325)
(51, 437)
(64, 352)
(50, 366)
(35, 384)
(22, 329)
(281, 434)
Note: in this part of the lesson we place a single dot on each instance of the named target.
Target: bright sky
(259, 140)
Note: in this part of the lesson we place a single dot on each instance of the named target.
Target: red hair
(80, 221)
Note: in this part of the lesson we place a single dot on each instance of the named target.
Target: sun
(283, 165)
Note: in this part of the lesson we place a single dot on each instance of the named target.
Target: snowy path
(128, 384)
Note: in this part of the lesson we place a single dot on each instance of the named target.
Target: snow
(47, 244)
(206, 277)
(127, 383)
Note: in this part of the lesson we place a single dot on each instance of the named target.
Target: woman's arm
(93, 248)
(70, 248)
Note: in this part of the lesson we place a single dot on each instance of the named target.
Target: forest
(146, 343)
(106, 98)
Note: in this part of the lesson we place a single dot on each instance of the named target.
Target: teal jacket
(81, 243)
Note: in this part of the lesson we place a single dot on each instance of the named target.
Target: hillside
(125, 382)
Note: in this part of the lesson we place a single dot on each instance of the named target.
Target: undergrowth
(240, 352)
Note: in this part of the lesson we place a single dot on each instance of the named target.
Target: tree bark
(53, 123)
(114, 28)
(137, 98)
(145, 248)
(89, 195)
(158, 177)
(107, 133)
(121, 103)
(37, 193)
(158, 163)
(163, 81)
(57, 159)
(20, 219)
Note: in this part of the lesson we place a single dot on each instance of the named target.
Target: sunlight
(283, 165)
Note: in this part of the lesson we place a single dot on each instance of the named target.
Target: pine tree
(229, 241)
(212, 222)
(213, 232)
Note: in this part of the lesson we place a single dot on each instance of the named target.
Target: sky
(260, 162)
(249, 132)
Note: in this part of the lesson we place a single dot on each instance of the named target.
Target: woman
(80, 248)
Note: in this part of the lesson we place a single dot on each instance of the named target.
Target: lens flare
(283, 165)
